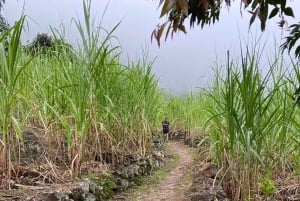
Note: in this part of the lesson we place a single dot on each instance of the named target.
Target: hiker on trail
(165, 129)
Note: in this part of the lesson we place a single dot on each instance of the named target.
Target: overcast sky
(182, 63)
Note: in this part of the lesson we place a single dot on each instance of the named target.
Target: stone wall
(104, 185)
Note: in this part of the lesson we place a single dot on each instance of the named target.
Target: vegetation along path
(174, 186)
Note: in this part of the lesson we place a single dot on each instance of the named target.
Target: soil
(194, 178)
(175, 186)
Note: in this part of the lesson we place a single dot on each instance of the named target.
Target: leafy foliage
(3, 24)
(290, 41)
(205, 12)
(44, 44)
(82, 96)
(267, 187)
(251, 114)
(4, 27)
(11, 69)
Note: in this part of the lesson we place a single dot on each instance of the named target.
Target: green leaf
(253, 18)
(297, 52)
(17, 128)
(293, 25)
(168, 5)
(291, 44)
(274, 2)
(273, 12)
(289, 11)
(263, 15)
(283, 3)
(263, 25)
(254, 4)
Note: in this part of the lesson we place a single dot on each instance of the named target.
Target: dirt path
(174, 186)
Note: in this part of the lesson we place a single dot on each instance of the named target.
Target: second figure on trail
(165, 129)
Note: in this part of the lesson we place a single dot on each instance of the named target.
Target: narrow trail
(174, 186)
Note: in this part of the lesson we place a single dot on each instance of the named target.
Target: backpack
(165, 127)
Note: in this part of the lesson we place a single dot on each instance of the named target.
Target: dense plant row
(251, 120)
(83, 99)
